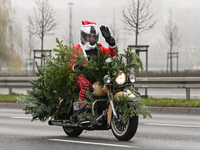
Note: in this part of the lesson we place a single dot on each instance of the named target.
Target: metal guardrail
(169, 82)
(16, 82)
(141, 82)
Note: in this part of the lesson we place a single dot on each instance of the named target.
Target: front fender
(126, 92)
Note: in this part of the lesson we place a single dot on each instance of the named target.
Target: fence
(16, 82)
(186, 83)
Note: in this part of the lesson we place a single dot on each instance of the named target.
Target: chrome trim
(113, 109)
(131, 76)
(105, 79)
(110, 96)
(100, 117)
(85, 122)
(93, 104)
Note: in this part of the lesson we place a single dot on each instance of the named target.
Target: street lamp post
(70, 23)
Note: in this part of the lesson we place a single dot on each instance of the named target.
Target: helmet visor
(91, 38)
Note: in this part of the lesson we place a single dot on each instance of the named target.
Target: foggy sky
(185, 14)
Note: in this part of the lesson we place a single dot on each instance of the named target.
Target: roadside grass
(167, 102)
(9, 98)
(159, 102)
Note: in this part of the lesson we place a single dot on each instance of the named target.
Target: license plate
(75, 105)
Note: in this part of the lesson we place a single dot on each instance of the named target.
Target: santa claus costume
(89, 37)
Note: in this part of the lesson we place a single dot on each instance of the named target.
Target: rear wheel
(121, 131)
(72, 132)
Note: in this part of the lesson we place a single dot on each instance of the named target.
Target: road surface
(163, 131)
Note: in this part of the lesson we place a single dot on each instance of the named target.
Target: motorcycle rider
(89, 36)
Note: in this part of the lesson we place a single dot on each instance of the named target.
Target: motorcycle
(104, 113)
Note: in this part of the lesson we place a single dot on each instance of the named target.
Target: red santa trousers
(82, 83)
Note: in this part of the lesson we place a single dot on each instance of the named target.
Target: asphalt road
(163, 131)
(156, 93)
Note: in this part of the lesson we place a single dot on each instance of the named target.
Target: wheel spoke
(124, 131)
(119, 125)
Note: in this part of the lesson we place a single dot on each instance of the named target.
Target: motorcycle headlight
(106, 79)
(121, 78)
(132, 78)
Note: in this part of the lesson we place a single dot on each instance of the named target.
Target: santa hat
(88, 23)
(89, 27)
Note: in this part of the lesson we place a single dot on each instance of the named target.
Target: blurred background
(17, 44)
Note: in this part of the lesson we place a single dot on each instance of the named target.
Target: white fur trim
(87, 46)
(83, 51)
(112, 46)
(89, 25)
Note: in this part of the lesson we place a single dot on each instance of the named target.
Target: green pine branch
(56, 75)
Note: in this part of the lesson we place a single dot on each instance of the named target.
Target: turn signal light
(105, 89)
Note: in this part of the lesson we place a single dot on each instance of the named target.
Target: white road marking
(93, 143)
(21, 117)
(172, 125)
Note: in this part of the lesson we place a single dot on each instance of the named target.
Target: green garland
(56, 75)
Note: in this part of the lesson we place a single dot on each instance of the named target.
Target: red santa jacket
(103, 49)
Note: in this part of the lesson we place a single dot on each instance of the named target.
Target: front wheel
(121, 131)
(72, 132)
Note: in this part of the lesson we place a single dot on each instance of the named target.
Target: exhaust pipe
(64, 123)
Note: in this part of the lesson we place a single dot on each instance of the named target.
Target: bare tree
(30, 41)
(113, 28)
(171, 36)
(138, 17)
(5, 8)
(30, 45)
(43, 21)
(10, 37)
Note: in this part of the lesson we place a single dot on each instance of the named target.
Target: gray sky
(185, 13)
(101, 11)
(28, 4)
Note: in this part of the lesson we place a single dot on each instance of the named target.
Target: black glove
(106, 34)
(76, 66)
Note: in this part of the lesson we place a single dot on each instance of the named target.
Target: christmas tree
(56, 75)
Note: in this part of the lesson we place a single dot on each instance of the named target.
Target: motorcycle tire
(72, 132)
(124, 132)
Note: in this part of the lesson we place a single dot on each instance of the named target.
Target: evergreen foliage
(96, 68)
(56, 75)
(131, 108)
